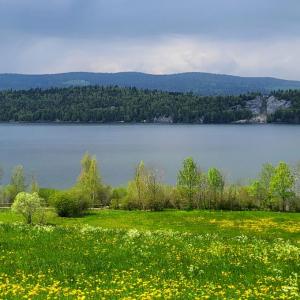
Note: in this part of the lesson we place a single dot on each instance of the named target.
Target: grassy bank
(143, 255)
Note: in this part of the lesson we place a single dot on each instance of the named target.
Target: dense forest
(116, 104)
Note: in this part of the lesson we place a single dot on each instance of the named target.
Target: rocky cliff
(262, 106)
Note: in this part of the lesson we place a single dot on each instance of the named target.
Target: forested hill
(117, 104)
(198, 83)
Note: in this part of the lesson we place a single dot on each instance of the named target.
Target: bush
(46, 194)
(28, 205)
(295, 204)
(104, 195)
(117, 197)
(70, 203)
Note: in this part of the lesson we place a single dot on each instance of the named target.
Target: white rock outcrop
(273, 104)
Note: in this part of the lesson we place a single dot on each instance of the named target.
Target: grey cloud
(243, 37)
(133, 18)
(158, 55)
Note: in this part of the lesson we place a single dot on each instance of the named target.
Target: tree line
(117, 104)
(276, 188)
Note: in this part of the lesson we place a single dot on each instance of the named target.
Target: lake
(53, 152)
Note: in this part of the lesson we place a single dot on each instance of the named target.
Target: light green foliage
(138, 187)
(260, 190)
(1, 188)
(46, 194)
(145, 191)
(154, 191)
(254, 188)
(8, 194)
(89, 180)
(282, 184)
(17, 180)
(203, 191)
(188, 181)
(265, 179)
(216, 184)
(34, 186)
(2, 201)
(266, 175)
(257, 191)
(118, 196)
(194, 190)
(28, 205)
(1, 174)
(215, 179)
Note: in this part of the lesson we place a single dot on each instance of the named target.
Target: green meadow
(108, 254)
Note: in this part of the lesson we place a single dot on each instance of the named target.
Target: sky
(239, 37)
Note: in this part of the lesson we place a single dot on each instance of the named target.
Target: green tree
(34, 186)
(1, 174)
(282, 184)
(264, 183)
(28, 205)
(188, 181)
(256, 191)
(139, 186)
(154, 191)
(266, 174)
(1, 187)
(17, 181)
(145, 191)
(216, 183)
(89, 180)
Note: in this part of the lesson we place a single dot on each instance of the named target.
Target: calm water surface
(53, 152)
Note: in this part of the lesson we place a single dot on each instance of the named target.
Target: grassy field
(146, 255)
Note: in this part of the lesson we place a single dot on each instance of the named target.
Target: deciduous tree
(28, 205)
(188, 181)
(282, 184)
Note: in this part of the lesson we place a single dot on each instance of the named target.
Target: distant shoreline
(136, 123)
(139, 123)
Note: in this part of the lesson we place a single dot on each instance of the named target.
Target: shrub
(117, 196)
(145, 192)
(70, 203)
(104, 196)
(9, 193)
(28, 205)
(46, 194)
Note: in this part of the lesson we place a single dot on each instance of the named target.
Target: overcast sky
(240, 37)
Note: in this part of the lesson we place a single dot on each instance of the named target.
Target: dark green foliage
(115, 104)
(117, 196)
(70, 203)
(46, 194)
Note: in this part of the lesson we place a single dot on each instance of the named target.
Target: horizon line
(144, 73)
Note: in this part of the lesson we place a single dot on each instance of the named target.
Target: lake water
(53, 152)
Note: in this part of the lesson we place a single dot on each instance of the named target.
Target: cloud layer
(243, 37)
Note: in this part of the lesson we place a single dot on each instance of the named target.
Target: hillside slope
(199, 83)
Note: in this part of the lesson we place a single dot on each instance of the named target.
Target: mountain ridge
(196, 82)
